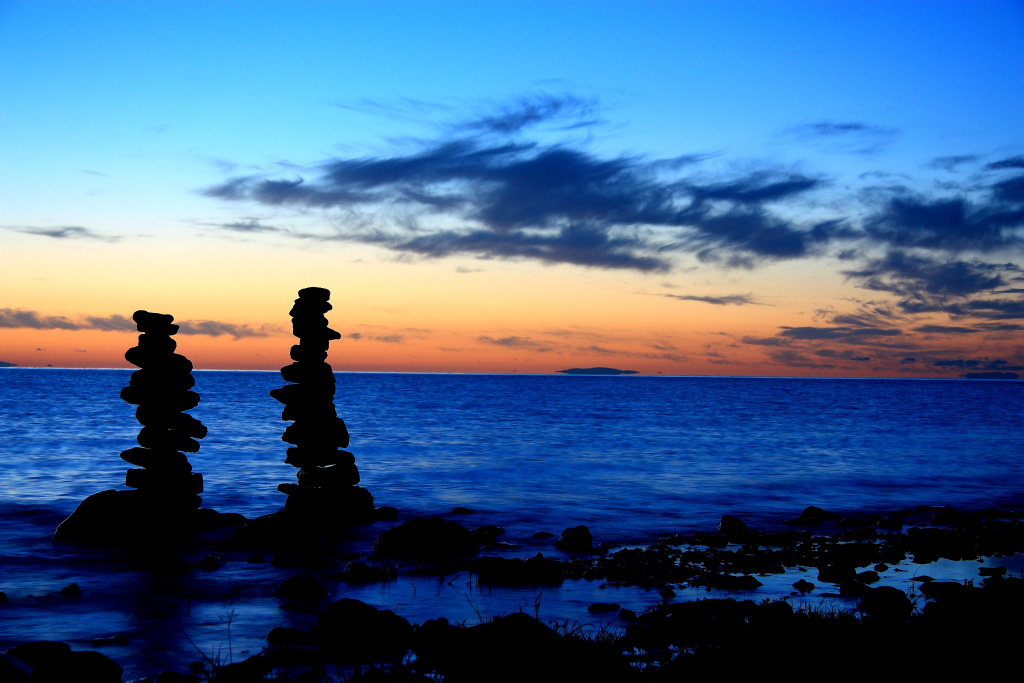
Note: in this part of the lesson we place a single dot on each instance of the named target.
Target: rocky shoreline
(928, 626)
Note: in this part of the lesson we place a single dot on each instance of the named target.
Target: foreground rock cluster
(327, 491)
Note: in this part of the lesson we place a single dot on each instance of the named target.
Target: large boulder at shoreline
(426, 538)
(123, 518)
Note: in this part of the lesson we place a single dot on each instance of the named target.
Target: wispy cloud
(65, 232)
(21, 318)
(725, 300)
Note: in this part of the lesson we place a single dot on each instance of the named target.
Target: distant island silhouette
(991, 375)
(5, 364)
(597, 371)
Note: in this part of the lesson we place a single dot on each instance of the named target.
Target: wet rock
(488, 533)
(362, 632)
(426, 538)
(39, 652)
(576, 539)
(804, 586)
(3, 597)
(734, 528)
(385, 513)
(711, 540)
(836, 573)
(460, 510)
(71, 591)
(301, 588)
(82, 665)
(602, 607)
(868, 576)
(728, 582)
(886, 603)
(813, 515)
(210, 562)
(892, 522)
(542, 535)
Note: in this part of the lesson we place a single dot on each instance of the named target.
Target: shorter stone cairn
(326, 492)
(161, 389)
(163, 503)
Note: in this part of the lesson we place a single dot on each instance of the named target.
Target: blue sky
(119, 118)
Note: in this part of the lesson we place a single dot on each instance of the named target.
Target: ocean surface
(629, 456)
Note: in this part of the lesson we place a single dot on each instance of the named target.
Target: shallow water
(628, 456)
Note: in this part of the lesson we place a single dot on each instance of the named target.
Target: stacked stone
(327, 476)
(161, 390)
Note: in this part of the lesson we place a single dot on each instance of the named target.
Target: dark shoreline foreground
(935, 627)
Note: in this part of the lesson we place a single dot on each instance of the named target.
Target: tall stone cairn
(161, 390)
(326, 490)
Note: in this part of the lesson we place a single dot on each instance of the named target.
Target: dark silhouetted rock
(460, 510)
(576, 539)
(301, 588)
(734, 528)
(886, 603)
(71, 591)
(426, 538)
(813, 515)
(362, 632)
(602, 607)
(804, 586)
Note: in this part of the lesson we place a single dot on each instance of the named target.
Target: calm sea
(628, 456)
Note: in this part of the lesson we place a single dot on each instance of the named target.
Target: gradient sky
(727, 188)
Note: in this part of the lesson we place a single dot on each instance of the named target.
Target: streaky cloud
(1014, 162)
(21, 318)
(66, 232)
(726, 300)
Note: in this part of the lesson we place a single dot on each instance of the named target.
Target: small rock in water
(804, 586)
(601, 607)
(301, 588)
(576, 540)
(72, 591)
(461, 511)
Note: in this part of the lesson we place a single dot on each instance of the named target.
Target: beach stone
(813, 515)
(362, 632)
(127, 518)
(301, 588)
(602, 607)
(426, 538)
(81, 665)
(576, 539)
(804, 586)
(734, 528)
(886, 603)
(38, 652)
